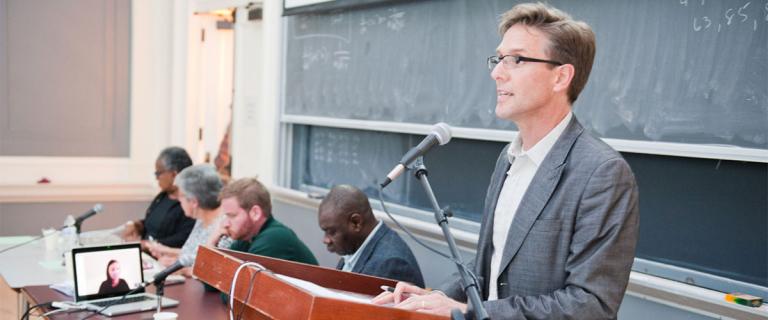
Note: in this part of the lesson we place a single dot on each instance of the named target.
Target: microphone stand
(77, 226)
(159, 290)
(469, 285)
(77, 232)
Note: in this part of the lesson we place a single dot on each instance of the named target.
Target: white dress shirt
(519, 177)
(351, 259)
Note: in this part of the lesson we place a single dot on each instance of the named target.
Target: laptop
(104, 274)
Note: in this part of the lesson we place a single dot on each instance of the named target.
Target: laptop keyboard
(124, 301)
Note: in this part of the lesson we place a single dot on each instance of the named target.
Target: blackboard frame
(635, 146)
(327, 6)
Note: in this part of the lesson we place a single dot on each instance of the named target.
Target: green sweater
(275, 240)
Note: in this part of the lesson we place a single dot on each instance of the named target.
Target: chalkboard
(703, 214)
(675, 71)
(331, 156)
(325, 157)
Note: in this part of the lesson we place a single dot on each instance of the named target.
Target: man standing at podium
(559, 229)
(366, 245)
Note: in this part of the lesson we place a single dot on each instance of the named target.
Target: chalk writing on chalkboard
(336, 51)
(690, 72)
(729, 17)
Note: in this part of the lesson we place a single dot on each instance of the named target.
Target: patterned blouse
(199, 236)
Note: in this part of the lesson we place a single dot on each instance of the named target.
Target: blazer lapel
(485, 242)
(495, 188)
(539, 192)
(369, 248)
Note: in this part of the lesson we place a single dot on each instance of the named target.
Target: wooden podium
(273, 298)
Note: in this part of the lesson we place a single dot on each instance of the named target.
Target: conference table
(26, 273)
(32, 264)
(194, 302)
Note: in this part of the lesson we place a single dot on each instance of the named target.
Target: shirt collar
(352, 258)
(538, 152)
(267, 224)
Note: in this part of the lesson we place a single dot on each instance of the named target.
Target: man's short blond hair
(570, 41)
(249, 192)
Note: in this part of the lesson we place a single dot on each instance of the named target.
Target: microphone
(160, 276)
(96, 209)
(441, 134)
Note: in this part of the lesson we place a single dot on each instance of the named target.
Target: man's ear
(255, 213)
(355, 221)
(563, 77)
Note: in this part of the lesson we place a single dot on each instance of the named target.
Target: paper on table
(66, 287)
(321, 291)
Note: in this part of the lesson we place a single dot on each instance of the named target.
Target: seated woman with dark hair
(165, 221)
(113, 284)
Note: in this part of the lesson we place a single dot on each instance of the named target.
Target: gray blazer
(572, 242)
(388, 256)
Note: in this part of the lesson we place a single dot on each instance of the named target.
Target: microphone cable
(113, 302)
(39, 305)
(259, 268)
(428, 247)
(96, 209)
(32, 240)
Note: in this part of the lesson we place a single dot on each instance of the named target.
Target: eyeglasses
(515, 61)
(158, 173)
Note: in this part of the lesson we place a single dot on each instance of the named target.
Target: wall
(18, 219)
(125, 185)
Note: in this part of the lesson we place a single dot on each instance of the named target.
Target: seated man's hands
(216, 236)
(410, 297)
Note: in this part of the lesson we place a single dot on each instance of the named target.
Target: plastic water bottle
(68, 238)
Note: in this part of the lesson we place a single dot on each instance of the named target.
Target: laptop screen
(106, 271)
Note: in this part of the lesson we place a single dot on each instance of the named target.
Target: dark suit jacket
(386, 255)
(165, 222)
(571, 245)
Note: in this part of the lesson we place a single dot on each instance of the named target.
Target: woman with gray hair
(199, 188)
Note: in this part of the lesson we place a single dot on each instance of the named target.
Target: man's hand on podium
(410, 297)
